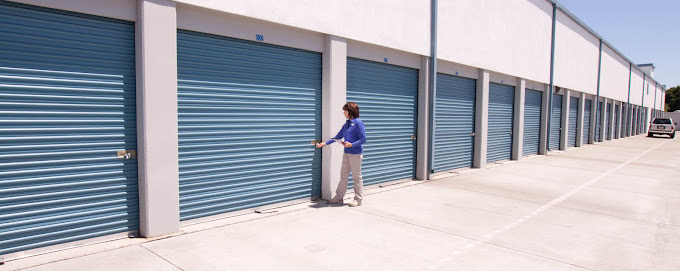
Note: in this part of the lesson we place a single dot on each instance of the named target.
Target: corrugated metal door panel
(454, 122)
(386, 95)
(644, 121)
(634, 122)
(617, 124)
(629, 120)
(67, 93)
(608, 121)
(573, 120)
(532, 121)
(638, 120)
(586, 120)
(556, 122)
(247, 115)
(598, 121)
(501, 105)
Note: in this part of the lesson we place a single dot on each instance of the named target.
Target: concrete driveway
(612, 206)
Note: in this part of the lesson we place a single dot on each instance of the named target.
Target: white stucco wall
(663, 102)
(649, 94)
(503, 79)
(659, 99)
(533, 85)
(648, 70)
(512, 37)
(225, 24)
(576, 56)
(118, 9)
(614, 79)
(399, 24)
(457, 69)
(376, 53)
(636, 88)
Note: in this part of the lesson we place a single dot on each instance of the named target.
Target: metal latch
(127, 155)
(472, 134)
(413, 137)
(314, 142)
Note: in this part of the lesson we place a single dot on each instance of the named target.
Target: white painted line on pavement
(491, 235)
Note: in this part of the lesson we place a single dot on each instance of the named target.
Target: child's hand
(347, 144)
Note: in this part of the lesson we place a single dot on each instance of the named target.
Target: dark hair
(352, 110)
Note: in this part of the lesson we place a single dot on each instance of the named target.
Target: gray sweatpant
(351, 162)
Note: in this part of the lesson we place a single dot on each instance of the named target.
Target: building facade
(137, 117)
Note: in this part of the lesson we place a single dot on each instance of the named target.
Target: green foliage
(673, 99)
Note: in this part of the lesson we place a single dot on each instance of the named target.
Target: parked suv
(664, 126)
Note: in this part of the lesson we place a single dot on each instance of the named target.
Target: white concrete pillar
(564, 135)
(545, 108)
(333, 97)
(579, 121)
(593, 119)
(518, 121)
(481, 119)
(423, 136)
(157, 136)
(603, 120)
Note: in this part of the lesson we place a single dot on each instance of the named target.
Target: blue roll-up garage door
(637, 121)
(532, 121)
(386, 95)
(556, 122)
(586, 120)
(629, 120)
(624, 120)
(248, 112)
(501, 105)
(573, 120)
(644, 121)
(633, 124)
(608, 121)
(454, 122)
(598, 122)
(617, 122)
(67, 93)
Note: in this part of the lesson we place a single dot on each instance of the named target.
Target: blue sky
(645, 31)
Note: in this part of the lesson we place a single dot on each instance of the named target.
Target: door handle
(126, 154)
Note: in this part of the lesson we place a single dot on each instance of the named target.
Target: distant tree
(673, 99)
